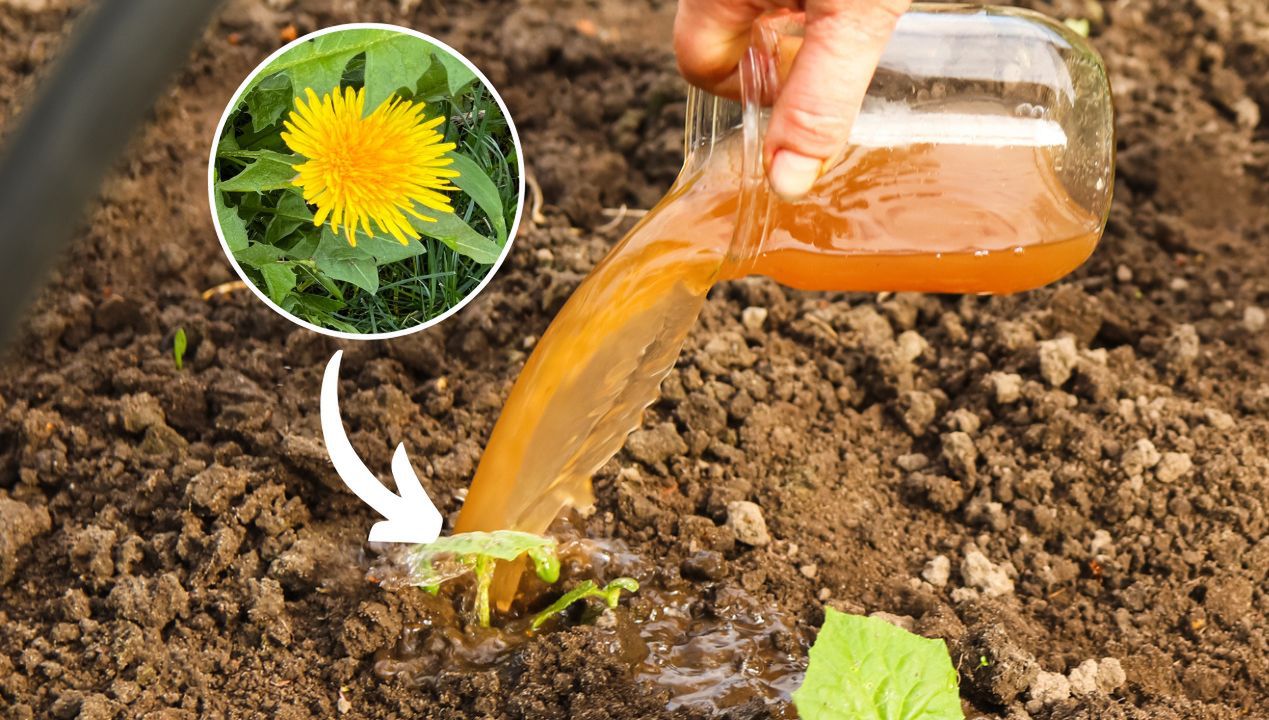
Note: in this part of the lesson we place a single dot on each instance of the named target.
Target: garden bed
(1089, 459)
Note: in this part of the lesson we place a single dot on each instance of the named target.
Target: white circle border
(233, 103)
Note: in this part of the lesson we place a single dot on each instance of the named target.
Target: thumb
(817, 106)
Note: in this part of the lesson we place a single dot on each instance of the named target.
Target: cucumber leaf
(867, 669)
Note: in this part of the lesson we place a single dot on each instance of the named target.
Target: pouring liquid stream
(949, 217)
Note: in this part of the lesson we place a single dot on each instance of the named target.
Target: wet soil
(1088, 460)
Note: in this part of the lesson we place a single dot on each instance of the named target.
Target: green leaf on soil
(449, 557)
(268, 101)
(335, 257)
(231, 225)
(610, 594)
(270, 171)
(458, 236)
(476, 183)
(864, 668)
(179, 343)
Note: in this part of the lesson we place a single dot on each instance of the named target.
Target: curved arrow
(410, 517)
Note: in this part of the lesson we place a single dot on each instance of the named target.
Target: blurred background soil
(1075, 474)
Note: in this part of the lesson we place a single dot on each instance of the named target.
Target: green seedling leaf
(476, 183)
(499, 545)
(179, 343)
(270, 171)
(231, 225)
(268, 101)
(867, 669)
(458, 236)
(335, 257)
(279, 281)
(449, 557)
(610, 594)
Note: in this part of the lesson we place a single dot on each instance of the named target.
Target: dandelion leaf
(268, 101)
(338, 260)
(476, 183)
(459, 237)
(393, 65)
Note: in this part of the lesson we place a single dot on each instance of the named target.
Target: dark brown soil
(174, 544)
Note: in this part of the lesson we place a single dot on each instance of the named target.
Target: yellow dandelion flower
(377, 167)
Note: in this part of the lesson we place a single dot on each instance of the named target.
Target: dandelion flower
(374, 168)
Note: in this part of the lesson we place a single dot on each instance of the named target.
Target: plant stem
(484, 578)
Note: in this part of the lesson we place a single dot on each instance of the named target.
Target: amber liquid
(934, 218)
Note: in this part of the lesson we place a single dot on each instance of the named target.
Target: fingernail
(792, 174)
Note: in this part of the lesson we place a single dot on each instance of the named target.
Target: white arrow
(411, 516)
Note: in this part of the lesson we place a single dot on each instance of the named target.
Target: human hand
(817, 106)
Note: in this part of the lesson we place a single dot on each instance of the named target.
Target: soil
(1088, 459)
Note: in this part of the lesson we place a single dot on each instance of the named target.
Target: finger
(710, 38)
(817, 106)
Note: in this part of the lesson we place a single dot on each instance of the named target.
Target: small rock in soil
(1173, 466)
(746, 521)
(1110, 675)
(19, 525)
(905, 622)
(655, 445)
(912, 462)
(996, 667)
(704, 565)
(1058, 359)
(216, 487)
(1181, 350)
(937, 571)
(1140, 457)
(753, 318)
(979, 572)
(1006, 386)
(1083, 679)
(960, 453)
(1254, 319)
(140, 412)
(1048, 688)
(918, 411)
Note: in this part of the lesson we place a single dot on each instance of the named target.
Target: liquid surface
(935, 218)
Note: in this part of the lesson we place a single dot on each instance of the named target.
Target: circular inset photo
(366, 181)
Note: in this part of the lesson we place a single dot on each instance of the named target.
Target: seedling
(610, 594)
(178, 348)
(865, 667)
(450, 557)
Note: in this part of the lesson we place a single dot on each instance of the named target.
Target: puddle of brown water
(713, 649)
